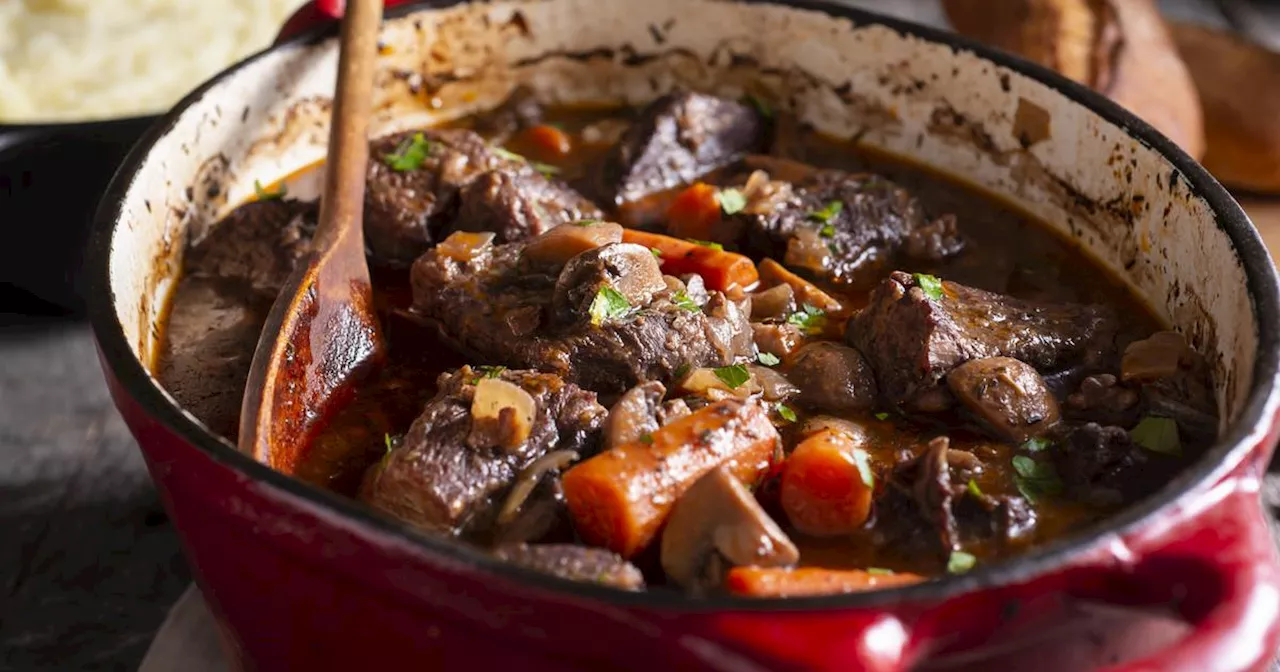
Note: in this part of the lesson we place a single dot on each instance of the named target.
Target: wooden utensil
(322, 334)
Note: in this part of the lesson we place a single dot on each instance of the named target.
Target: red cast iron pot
(302, 579)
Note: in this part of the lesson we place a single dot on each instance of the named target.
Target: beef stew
(699, 347)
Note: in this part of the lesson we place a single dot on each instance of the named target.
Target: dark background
(89, 564)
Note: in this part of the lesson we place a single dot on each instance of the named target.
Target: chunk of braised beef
(447, 476)
(937, 240)
(832, 377)
(1006, 396)
(677, 139)
(576, 563)
(519, 111)
(1175, 383)
(1102, 466)
(518, 205)
(257, 246)
(412, 204)
(1103, 399)
(618, 345)
(829, 224)
(936, 482)
(913, 340)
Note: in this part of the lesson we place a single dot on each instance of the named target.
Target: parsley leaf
(386, 438)
(262, 194)
(768, 359)
(761, 106)
(646, 439)
(882, 416)
(609, 304)
(409, 154)
(682, 300)
(733, 376)
(960, 562)
(930, 285)
(682, 370)
(731, 201)
(544, 168)
(587, 222)
(810, 319)
(786, 412)
(706, 243)
(879, 571)
(826, 214)
(1158, 435)
(1035, 480)
(486, 371)
(656, 252)
(974, 489)
(863, 462)
(827, 231)
(1037, 444)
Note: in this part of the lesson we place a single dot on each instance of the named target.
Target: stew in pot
(698, 346)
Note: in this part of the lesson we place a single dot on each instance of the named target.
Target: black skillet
(51, 178)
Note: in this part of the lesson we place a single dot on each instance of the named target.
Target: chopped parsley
(544, 168)
(609, 304)
(882, 416)
(879, 571)
(682, 370)
(733, 376)
(1158, 435)
(263, 195)
(960, 562)
(761, 106)
(863, 462)
(409, 154)
(1035, 480)
(786, 412)
(827, 231)
(731, 201)
(386, 438)
(768, 359)
(706, 243)
(930, 285)
(1037, 444)
(656, 252)
(486, 371)
(826, 214)
(974, 489)
(810, 319)
(646, 439)
(587, 222)
(682, 300)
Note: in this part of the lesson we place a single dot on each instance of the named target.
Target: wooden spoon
(322, 335)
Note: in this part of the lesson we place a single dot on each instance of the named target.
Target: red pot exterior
(296, 588)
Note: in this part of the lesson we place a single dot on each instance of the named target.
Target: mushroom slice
(501, 414)
(717, 524)
(634, 414)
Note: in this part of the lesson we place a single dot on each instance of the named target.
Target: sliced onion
(466, 245)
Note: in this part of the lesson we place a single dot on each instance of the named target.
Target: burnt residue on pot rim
(1247, 431)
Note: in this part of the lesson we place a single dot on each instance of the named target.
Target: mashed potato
(71, 60)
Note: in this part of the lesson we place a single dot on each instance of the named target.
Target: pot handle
(1223, 555)
(318, 12)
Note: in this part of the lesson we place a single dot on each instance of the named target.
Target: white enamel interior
(956, 111)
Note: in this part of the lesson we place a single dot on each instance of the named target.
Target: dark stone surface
(89, 564)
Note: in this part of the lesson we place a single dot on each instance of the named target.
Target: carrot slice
(809, 581)
(772, 273)
(620, 498)
(694, 212)
(827, 484)
(719, 269)
(549, 141)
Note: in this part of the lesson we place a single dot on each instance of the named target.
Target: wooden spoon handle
(342, 202)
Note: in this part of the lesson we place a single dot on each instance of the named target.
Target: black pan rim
(1232, 448)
